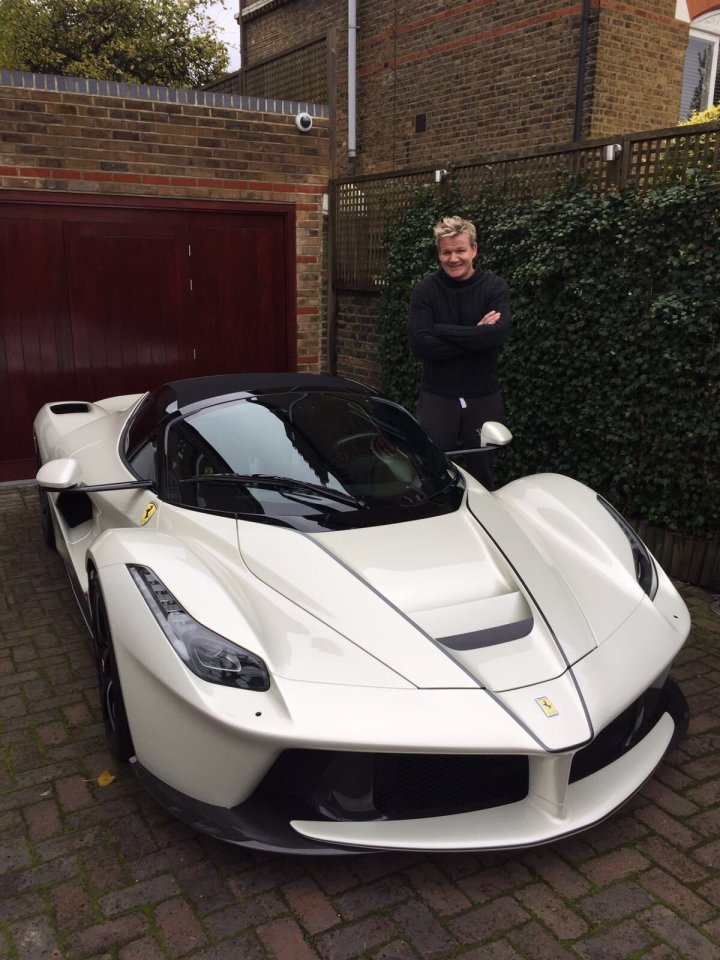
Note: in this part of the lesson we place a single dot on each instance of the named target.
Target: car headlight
(645, 570)
(204, 652)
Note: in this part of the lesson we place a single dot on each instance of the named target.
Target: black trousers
(455, 422)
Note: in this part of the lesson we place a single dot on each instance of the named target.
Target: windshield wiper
(271, 482)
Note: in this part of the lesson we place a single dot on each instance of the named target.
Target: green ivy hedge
(611, 373)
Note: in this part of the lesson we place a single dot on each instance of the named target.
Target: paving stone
(615, 866)
(107, 874)
(370, 896)
(679, 934)
(106, 936)
(283, 939)
(533, 940)
(310, 905)
(138, 895)
(540, 900)
(621, 941)
(617, 902)
(421, 928)
(248, 913)
(35, 939)
(354, 939)
(490, 883)
(442, 896)
(180, 928)
(693, 906)
(488, 921)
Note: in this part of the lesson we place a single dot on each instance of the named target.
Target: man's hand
(492, 317)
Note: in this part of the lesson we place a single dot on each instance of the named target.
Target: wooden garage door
(97, 301)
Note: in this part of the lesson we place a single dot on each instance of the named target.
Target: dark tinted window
(141, 440)
(310, 459)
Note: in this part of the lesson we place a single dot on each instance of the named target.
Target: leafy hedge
(611, 373)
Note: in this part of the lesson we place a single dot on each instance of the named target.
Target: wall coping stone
(142, 91)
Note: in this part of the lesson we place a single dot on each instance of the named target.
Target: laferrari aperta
(316, 633)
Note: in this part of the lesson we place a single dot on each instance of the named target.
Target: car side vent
(70, 408)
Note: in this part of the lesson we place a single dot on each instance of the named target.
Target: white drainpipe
(352, 69)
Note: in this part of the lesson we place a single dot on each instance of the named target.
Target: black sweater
(460, 359)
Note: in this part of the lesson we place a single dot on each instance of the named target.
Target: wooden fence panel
(365, 207)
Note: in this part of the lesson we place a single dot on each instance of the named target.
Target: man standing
(459, 319)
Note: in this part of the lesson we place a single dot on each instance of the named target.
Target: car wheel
(117, 728)
(46, 522)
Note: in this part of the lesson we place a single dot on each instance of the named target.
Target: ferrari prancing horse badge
(547, 706)
(148, 512)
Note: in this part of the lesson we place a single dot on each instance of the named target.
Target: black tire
(48, 530)
(46, 522)
(117, 728)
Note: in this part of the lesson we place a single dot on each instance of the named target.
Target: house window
(701, 77)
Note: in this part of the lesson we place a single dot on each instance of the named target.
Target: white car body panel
(523, 824)
(513, 626)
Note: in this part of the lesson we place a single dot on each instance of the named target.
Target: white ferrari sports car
(316, 633)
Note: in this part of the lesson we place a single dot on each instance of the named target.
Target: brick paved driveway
(102, 872)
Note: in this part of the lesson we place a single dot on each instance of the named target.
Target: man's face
(456, 256)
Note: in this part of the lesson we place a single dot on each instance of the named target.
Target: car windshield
(311, 459)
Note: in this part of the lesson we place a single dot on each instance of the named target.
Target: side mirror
(494, 434)
(65, 475)
(59, 474)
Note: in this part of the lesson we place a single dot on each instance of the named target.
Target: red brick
(283, 939)
(43, 820)
(355, 938)
(615, 866)
(78, 715)
(559, 875)
(680, 934)
(106, 936)
(534, 941)
(679, 896)
(310, 905)
(616, 902)
(179, 926)
(248, 913)
(494, 881)
(35, 940)
(71, 905)
(624, 940)
(139, 895)
(442, 896)
(144, 949)
(544, 903)
(73, 793)
(422, 929)
(672, 859)
(488, 921)
(363, 900)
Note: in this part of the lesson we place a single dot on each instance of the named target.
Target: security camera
(303, 121)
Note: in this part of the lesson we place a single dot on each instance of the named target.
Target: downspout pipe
(582, 70)
(352, 79)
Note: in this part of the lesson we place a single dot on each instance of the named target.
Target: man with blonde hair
(459, 319)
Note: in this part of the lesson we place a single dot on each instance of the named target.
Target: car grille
(357, 786)
(354, 786)
(619, 736)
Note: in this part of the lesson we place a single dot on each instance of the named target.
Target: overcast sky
(227, 28)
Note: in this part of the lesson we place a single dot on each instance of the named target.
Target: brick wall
(441, 82)
(638, 67)
(356, 337)
(94, 138)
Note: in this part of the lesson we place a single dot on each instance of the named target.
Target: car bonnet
(436, 599)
